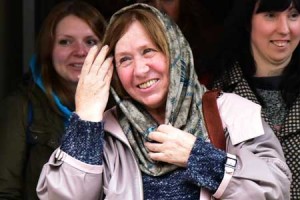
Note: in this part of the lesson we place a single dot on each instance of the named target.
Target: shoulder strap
(212, 119)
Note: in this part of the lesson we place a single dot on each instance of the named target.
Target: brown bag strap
(212, 119)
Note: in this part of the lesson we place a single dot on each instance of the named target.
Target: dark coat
(23, 153)
(289, 135)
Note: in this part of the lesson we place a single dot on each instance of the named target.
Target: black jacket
(26, 143)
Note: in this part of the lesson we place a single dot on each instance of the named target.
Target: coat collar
(234, 81)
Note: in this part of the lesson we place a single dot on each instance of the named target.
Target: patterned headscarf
(183, 106)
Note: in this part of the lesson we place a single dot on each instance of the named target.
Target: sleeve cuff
(83, 140)
(230, 166)
(206, 165)
(59, 155)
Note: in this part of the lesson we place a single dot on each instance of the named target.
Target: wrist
(92, 117)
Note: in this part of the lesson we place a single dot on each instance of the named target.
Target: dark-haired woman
(260, 60)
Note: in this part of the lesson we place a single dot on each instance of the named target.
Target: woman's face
(73, 39)
(170, 7)
(274, 37)
(142, 68)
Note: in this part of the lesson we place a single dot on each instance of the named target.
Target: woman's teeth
(280, 43)
(77, 65)
(147, 84)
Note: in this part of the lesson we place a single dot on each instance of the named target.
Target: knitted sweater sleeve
(206, 165)
(83, 140)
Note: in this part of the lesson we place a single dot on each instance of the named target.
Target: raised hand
(93, 87)
(173, 145)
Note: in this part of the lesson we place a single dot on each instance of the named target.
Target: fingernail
(105, 47)
(93, 48)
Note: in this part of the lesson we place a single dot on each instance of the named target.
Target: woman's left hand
(93, 87)
(173, 145)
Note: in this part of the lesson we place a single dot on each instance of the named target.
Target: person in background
(260, 61)
(153, 144)
(32, 119)
(199, 25)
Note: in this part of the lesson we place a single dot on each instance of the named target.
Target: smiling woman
(260, 60)
(33, 118)
(274, 37)
(201, 23)
(135, 62)
(154, 143)
(73, 39)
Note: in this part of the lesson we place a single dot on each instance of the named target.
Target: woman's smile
(147, 84)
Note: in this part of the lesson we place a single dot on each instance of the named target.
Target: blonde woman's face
(73, 39)
(142, 68)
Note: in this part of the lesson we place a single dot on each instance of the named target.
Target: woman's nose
(80, 49)
(283, 25)
(141, 67)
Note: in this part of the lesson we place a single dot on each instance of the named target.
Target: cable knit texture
(84, 140)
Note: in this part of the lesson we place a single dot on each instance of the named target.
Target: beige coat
(261, 172)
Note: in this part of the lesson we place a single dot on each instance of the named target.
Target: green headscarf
(183, 106)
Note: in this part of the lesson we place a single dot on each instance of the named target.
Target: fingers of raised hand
(93, 87)
(99, 60)
(94, 60)
(105, 71)
(110, 72)
(88, 62)
(97, 67)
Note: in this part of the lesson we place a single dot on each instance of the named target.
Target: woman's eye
(294, 14)
(92, 42)
(270, 15)
(124, 61)
(149, 50)
(64, 42)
